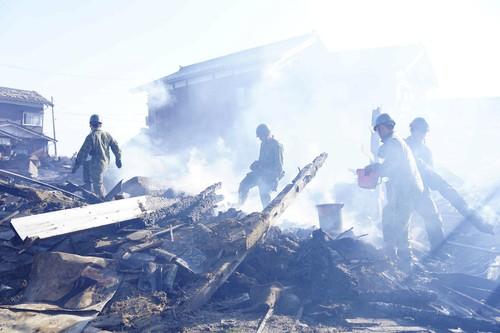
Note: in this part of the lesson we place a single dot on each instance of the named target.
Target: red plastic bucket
(367, 180)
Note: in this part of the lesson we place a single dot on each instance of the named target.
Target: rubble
(137, 186)
(15, 175)
(166, 263)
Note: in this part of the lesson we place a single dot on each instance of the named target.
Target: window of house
(32, 119)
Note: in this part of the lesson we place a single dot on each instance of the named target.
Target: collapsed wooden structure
(151, 262)
(153, 239)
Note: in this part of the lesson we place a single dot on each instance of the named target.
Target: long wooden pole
(258, 224)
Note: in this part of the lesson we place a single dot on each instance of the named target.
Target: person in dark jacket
(267, 170)
(94, 156)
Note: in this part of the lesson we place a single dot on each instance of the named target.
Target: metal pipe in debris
(15, 175)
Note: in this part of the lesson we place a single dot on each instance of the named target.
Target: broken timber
(114, 191)
(89, 196)
(272, 298)
(257, 225)
(77, 219)
(15, 175)
(36, 195)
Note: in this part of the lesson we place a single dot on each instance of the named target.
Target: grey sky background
(90, 54)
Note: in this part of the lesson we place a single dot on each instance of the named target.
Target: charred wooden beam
(274, 293)
(89, 196)
(424, 317)
(255, 225)
(9, 216)
(170, 257)
(190, 207)
(114, 191)
(284, 199)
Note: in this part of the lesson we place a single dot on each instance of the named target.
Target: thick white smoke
(310, 110)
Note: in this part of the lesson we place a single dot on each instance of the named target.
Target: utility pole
(53, 125)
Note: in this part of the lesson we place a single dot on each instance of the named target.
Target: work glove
(118, 164)
(372, 168)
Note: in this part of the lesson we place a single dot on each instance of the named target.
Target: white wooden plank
(77, 219)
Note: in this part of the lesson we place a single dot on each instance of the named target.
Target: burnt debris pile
(165, 261)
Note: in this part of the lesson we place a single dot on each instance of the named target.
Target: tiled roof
(22, 96)
(250, 58)
(9, 135)
(394, 58)
(21, 132)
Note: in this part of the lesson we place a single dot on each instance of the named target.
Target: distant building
(21, 123)
(206, 99)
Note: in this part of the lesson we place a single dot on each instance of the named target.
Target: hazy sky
(89, 54)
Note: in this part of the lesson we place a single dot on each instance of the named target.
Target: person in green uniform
(94, 156)
(267, 170)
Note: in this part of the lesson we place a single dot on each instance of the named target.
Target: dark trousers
(427, 209)
(93, 178)
(253, 179)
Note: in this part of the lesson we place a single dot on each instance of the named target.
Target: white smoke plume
(159, 95)
(310, 114)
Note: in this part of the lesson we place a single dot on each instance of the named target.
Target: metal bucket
(330, 217)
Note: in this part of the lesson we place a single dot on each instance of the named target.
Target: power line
(83, 115)
(28, 69)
